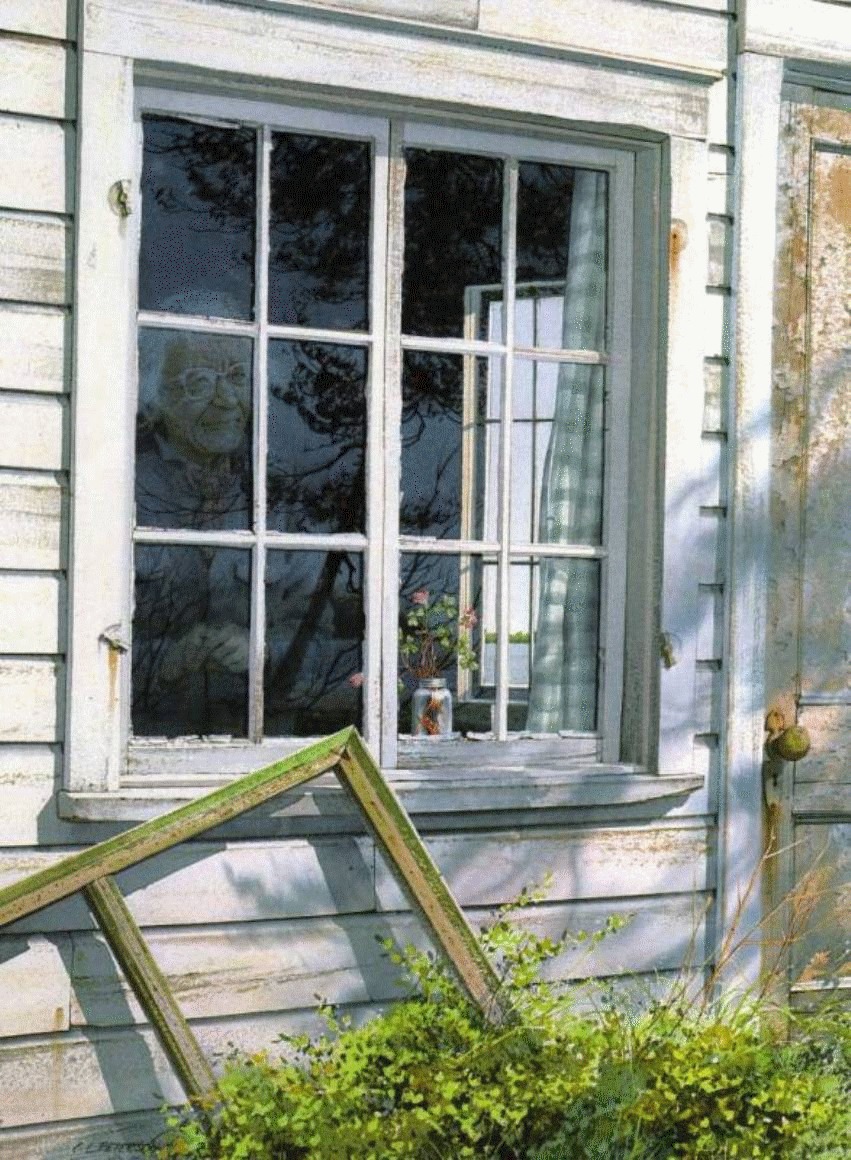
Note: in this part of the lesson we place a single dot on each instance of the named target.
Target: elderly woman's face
(205, 396)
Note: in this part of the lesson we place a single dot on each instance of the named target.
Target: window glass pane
(562, 219)
(555, 608)
(193, 431)
(557, 450)
(444, 595)
(450, 446)
(190, 641)
(317, 437)
(314, 642)
(453, 238)
(198, 219)
(319, 241)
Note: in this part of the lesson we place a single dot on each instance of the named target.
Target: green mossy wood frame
(343, 753)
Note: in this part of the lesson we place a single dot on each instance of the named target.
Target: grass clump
(431, 1080)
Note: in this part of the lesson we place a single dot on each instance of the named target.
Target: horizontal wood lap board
(343, 753)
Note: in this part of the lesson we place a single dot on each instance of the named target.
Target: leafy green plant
(434, 634)
(430, 1079)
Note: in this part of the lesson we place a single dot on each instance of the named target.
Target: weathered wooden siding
(246, 930)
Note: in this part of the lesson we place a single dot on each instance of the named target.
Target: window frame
(102, 437)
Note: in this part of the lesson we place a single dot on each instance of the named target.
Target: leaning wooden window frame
(106, 757)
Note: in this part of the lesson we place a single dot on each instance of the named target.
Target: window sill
(430, 792)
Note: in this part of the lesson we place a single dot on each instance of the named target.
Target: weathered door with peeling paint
(809, 613)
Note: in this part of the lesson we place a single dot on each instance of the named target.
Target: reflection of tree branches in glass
(319, 241)
(189, 662)
(432, 409)
(453, 236)
(306, 675)
(209, 175)
(318, 483)
(543, 221)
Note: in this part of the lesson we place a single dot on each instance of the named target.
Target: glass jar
(431, 708)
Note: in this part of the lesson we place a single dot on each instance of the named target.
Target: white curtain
(563, 689)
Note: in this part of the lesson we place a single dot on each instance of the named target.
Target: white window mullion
(376, 455)
(392, 443)
(503, 615)
(257, 644)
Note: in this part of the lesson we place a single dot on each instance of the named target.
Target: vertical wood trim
(392, 442)
(257, 658)
(740, 803)
(687, 259)
(104, 365)
(149, 985)
(377, 459)
(503, 611)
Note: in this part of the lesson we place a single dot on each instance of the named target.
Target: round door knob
(790, 745)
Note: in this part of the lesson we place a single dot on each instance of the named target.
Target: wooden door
(809, 614)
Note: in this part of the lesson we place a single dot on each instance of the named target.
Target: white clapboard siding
(32, 349)
(807, 29)
(32, 431)
(715, 323)
(31, 509)
(118, 1137)
(36, 77)
(706, 5)
(719, 129)
(208, 882)
(709, 696)
(720, 195)
(488, 869)
(29, 612)
(720, 252)
(34, 259)
(254, 967)
(35, 988)
(45, 1079)
(716, 378)
(461, 13)
(38, 17)
(615, 28)
(22, 765)
(35, 154)
(708, 562)
(712, 485)
(29, 708)
(710, 632)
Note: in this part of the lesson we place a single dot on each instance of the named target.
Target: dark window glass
(317, 437)
(198, 219)
(319, 243)
(314, 642)
(450, 446)
(190, 641)
(552, 200)
(453, 238)
(193, 431)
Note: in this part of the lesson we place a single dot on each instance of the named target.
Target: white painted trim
(740, 837)
(689, 256)
(474, 72)
(803, 29)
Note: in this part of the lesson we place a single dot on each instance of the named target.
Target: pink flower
(356, 680)
(468, 618)
(421, 596)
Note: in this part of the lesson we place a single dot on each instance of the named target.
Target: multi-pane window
(377, 365)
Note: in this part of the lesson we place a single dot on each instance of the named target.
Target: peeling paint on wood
(31, 515)
(36, 78)
(32, 349)
(34, 259)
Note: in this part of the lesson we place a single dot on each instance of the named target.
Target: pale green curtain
(563, 687)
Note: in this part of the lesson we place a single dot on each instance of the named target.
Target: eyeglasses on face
(200, 383)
